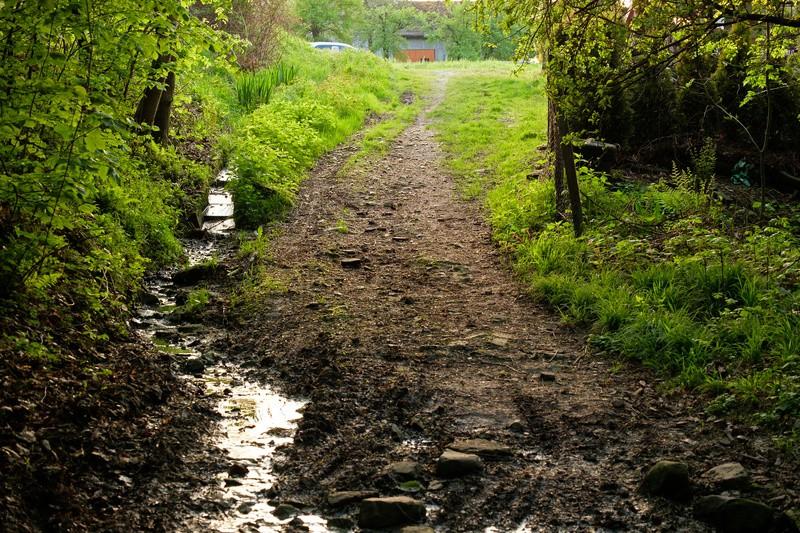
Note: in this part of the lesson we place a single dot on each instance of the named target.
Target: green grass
(196, 301)
(378, 138)
(256, 88)
(273, 147)
(662, 276)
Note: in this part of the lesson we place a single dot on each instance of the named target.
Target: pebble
(517, 426)
(395, 511)
(237, 470)
(547, 377)
(194, 366)
(669, 479)
(341, 522)
(457, 464)
(481, 447)
(435, 485)
(728, 476)
(284, 511)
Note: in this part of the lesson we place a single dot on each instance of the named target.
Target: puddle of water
(217, 217)
(226, 225)
(256, 421)
(522, 528)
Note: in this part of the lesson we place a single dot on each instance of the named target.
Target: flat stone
(482, 447)
(341, 522)
(417, 529)
(346, 497)
(669, 479)
(284, 511)
(190, 328)
(741, 515)
(457, 464)
(196, 273)
(352, 262)
(728, 476)
(395, 511)
(237, 470)
(404, 470)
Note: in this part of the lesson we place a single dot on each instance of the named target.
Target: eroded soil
(405, 329)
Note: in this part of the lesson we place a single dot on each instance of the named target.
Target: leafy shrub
(265, 185)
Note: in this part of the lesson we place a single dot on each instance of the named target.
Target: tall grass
(272, 147)
(254, 89)
(663, 275)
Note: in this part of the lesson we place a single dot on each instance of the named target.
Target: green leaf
(411, 486)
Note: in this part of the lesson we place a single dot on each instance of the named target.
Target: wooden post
(554, 147)
(572, 178)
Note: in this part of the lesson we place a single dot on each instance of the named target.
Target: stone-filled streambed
(255, 420)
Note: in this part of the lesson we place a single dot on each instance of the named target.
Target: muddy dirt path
(406, 331)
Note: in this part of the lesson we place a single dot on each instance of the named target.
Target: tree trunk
(148, 106)
(156, 104)
(164, 110)
(554, 147)
(572, 178)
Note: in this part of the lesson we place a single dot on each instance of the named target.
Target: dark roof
(411, 34)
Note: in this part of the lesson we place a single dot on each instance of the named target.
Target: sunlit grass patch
(662, 276)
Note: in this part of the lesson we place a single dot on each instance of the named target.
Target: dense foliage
(666, 74)
(86, 204)
(329, 19)
(379, 26)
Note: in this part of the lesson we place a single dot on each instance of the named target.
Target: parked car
(333, 47)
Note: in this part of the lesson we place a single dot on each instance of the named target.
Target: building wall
(420, 43)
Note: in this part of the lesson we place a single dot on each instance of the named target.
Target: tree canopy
(330, 19)
(383, 23)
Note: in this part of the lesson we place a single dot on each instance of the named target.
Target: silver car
(332, 46)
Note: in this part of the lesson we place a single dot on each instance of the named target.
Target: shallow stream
(255, 419)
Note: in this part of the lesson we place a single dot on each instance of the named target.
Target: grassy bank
(703, 294)
(329, 98)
